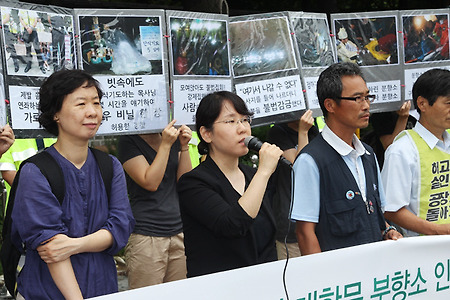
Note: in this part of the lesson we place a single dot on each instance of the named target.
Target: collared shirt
(306, 206)
(401, 169)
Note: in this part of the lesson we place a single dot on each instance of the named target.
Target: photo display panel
(426, 43)
(37, 41)
(316, 51)
(372, 41)
(127, 54)
(265, 68)
(199, 58)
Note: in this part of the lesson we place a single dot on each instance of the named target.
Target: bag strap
(105, 164)
(55, 177)
(52, 172)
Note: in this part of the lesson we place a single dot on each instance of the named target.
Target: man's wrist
(385, 232)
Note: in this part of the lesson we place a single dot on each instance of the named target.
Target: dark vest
(344, 220)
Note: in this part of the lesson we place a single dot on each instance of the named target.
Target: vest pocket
(341, 215)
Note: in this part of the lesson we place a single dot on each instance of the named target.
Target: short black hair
(431, 85)
(209, 110)
(54, 90)
(329, 84)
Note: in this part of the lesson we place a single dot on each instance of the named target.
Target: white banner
(410, 268)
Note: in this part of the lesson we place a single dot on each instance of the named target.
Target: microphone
(253, 143)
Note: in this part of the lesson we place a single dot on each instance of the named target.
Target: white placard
(416, 268)
(188, 93)
(311, 92)
(133, 103)
(24, 103)
(386, 91)
(411, 76)
(272, 96)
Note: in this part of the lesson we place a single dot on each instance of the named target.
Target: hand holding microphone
(253, 143)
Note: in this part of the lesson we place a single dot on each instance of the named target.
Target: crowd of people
(177, 221)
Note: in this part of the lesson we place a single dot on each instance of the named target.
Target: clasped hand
(58, 248)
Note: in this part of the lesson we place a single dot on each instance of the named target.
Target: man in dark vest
(338, 195)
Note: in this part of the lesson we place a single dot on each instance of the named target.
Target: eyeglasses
(244, 121)
(360, 99)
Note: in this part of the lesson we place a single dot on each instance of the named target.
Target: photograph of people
(114, 45)
(425, 38)
(367, 41)
(199, 47)
(31, 45)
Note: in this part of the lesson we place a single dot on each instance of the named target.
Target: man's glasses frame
(360, 99)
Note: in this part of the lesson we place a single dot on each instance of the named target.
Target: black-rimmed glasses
(360, 99)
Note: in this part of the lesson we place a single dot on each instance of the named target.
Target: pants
(294, 250)
(152, 260)
(34, 40)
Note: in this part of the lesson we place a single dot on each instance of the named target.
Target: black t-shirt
(280, 185)
(156, 213)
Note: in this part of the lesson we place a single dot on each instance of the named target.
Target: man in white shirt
(338, 195)
(416, 169)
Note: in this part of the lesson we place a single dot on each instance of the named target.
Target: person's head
(431, 98)
(220, 114)
(342, 35)
(61, 86)
(329, 85)
(430, 85)
(343, 93)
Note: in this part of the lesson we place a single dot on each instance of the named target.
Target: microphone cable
(286, 236)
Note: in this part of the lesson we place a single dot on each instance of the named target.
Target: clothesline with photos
(156, 65)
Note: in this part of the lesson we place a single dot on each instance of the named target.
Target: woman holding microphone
(226, 217)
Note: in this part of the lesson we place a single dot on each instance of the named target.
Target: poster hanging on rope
(372, 40)
(315, 50)
(426, 43)
(37, 41)
(126, 53)
(265, 68)
(199, 60)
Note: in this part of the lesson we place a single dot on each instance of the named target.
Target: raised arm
(150, 176)
(7, 138)
(303, 126)
(184, 160)
(400, 125)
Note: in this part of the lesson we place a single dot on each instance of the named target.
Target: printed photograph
(367, 41)
(199, 47)
(261, 46)
(425, 38)
(314, 42)
(37, 43)
(118, 45)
